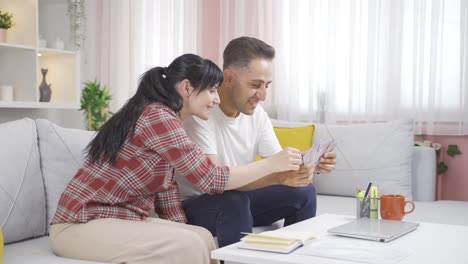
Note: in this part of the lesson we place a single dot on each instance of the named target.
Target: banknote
(313, 154)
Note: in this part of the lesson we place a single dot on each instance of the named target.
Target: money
(313, 154)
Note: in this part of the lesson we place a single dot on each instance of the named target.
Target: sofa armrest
(424, 174)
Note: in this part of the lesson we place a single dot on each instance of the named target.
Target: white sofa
(38, 158)
(385, 155)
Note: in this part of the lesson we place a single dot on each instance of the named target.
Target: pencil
(367, 190)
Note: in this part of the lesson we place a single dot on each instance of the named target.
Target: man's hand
(296, 178)
(326, 163)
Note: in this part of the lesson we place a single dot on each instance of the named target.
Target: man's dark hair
(240, 51)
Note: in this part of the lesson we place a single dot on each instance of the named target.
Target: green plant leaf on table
(95, 103)
(452, 150)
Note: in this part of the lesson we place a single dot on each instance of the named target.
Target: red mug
(392, 206)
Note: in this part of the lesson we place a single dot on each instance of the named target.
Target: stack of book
(278, 241)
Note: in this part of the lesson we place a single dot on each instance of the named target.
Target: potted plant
(95, 104)
(6, 22)
(452, 150)
(77, 15)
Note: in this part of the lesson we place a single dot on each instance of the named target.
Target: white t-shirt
(236, 141)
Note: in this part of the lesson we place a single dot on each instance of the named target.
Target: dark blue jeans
(227, 215)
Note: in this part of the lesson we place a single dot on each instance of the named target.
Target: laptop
(374, 229)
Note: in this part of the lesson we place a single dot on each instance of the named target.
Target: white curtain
(125, 38)
(341, 61)
(338, 61)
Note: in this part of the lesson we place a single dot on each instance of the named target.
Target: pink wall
(210, 30)
(453, 185)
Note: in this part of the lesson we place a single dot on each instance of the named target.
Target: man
(238, 130)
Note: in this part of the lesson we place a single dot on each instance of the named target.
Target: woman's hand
(285, 160)
(289, 159)
(297, 178)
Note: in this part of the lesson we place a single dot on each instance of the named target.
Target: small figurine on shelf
(6, 93)
(44, 89)
(42, 42)
(59, 44)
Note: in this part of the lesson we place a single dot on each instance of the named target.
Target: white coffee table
(429, 243)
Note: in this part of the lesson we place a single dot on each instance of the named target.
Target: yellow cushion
(1, 245)
(296, 137)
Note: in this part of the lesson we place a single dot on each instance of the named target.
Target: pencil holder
(367, 207)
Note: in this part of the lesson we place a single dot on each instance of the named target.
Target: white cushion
(36, 251)
(380, 153)
(61, 156)
(22, 198)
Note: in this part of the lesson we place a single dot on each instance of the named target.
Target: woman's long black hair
(157, 85)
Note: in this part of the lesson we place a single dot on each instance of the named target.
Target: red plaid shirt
(142, 175)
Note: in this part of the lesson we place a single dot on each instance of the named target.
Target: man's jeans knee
(294, 204)
(224, 215)
(227, 215)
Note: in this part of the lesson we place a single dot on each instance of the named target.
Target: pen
(368, 189)
(357, 190)
(359, 194)
(365, 207)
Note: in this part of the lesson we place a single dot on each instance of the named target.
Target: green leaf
(95, 103)
(441, 167)
(420, 136)
(6, 20)
(452, 150)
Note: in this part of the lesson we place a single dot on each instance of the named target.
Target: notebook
(278, 241)
(374, 229)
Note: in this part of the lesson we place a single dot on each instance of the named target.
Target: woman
(103, 213)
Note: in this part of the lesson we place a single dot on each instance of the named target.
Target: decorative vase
(42, 42)
(59, 44)
(6, 94)
(44, 89)
(3, 35)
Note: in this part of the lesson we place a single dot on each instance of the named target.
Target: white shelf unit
(21, 58)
